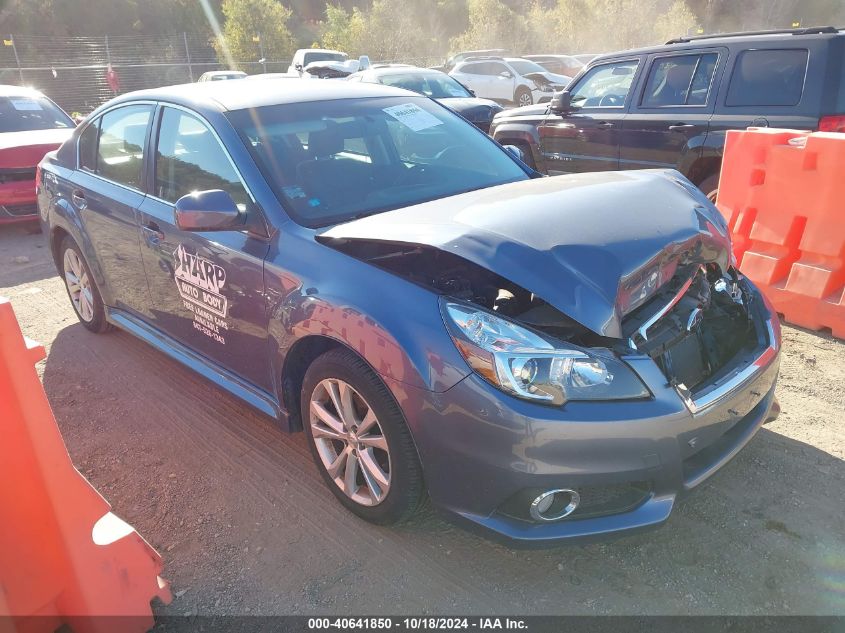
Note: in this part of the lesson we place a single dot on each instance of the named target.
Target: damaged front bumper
(486, 454)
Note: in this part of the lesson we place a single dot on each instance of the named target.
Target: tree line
(411, 29)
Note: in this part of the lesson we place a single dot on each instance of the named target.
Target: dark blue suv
(546, 358)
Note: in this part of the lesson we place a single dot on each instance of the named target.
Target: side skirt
(253, 396)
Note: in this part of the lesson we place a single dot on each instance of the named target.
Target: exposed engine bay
(454, 276)
(692, 327)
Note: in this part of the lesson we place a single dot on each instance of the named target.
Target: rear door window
(768, 78)
(120, 151)
(88, 146)
(680, 80)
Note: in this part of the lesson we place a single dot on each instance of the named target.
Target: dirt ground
(246, 526)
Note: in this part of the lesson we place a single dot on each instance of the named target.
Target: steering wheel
(406, 175)
(441, 155)
(610, 100)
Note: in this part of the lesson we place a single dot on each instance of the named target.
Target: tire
(523, 97)
(710, 187)
(83, 293)
(388, 494)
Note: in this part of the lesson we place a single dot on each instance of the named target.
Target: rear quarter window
(768, 78)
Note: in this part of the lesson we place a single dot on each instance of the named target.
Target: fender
(690, 154)
(307, 298)
(525, 131)
(57, 212)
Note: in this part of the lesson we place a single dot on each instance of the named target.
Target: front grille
(19, 210)
(17, 174)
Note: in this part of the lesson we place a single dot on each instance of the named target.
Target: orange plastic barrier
(64, 558)
(783, 194)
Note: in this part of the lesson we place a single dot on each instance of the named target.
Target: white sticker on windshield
(413, 116)
(26, 104)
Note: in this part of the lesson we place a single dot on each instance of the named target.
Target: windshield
(20, 114)
(430, 85)
(323, 57)
(332, 161)
(523, 66)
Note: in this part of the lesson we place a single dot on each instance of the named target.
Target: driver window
(189, 158)
(605, 86)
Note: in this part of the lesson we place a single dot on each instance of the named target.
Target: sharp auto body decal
(200, 283)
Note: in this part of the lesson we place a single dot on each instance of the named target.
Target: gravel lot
(245, 525)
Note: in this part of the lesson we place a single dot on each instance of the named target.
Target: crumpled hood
(592, 245)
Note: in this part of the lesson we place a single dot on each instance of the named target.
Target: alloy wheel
(350, 442)
(525, 99)
(79, 285)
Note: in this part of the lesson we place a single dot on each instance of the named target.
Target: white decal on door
(200, 283)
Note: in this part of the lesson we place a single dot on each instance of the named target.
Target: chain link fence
(74, 71)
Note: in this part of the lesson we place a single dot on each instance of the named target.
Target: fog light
(554, 505)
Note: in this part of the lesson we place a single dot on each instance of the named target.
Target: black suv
(670, 105)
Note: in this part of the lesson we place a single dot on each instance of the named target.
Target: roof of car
(217, 96)
(324, 50)
(725, 39)
(399, 69)
(9, 90)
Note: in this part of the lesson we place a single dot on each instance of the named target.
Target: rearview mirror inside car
(212, 210)
(622, 70)
(560, 103)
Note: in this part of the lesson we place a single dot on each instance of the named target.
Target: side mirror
(298, 67)
(561, 102)
(506, 74)
(212, 210)
(516, 150)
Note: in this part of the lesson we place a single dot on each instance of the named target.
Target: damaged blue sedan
(545, 359)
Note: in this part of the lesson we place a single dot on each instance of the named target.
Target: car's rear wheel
(359, 439)
(523, 97)
(81, 287)
(710, 187)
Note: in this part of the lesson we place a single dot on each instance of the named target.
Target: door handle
(680, 126)
(155, 234)
(78, 199)
(605, 124)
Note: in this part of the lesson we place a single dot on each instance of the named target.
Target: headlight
(531, 366)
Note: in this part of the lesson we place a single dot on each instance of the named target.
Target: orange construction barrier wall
(783, 194)
(64, 558)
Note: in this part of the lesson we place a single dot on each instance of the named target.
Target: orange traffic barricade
(64, 557)
(782, 192)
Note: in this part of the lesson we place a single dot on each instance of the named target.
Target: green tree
(492, 24)
(245, 21)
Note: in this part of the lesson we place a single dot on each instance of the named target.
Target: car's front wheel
(81, 287)
(359, 439)
(523, 97)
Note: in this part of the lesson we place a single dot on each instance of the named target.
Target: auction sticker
(24, 104)
(413, 116)
(200, 283)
